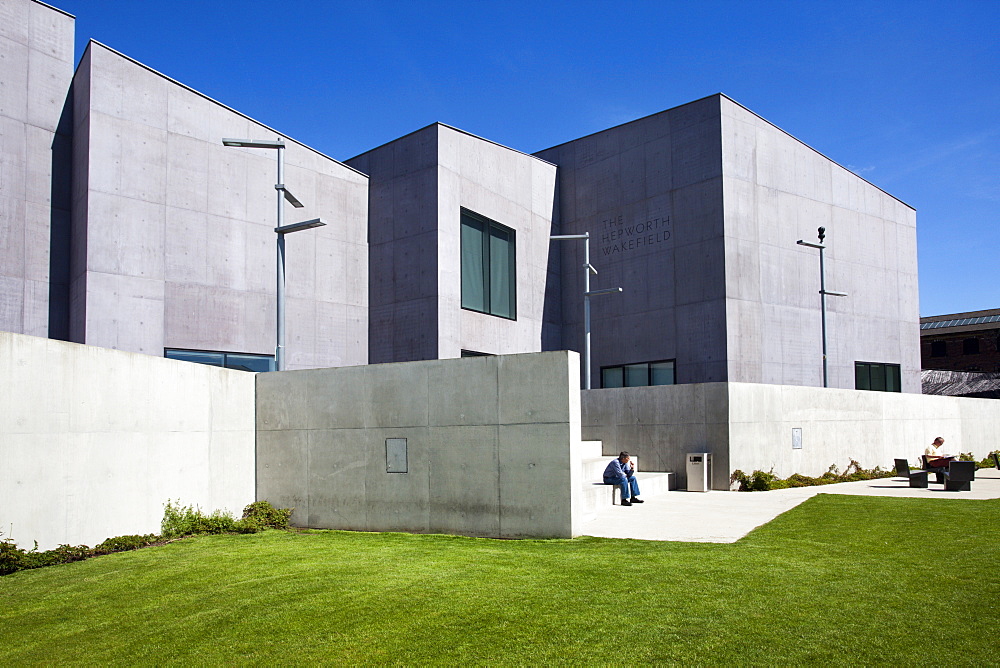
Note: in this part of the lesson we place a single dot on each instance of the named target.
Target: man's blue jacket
(616, 471)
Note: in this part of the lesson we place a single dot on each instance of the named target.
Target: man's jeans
(624, 485)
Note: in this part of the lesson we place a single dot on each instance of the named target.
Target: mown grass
(839, 580)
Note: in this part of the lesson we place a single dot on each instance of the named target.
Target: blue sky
(906, 94)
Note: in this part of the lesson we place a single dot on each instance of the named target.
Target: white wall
(838, 425)
(94, 441)
(748, 426)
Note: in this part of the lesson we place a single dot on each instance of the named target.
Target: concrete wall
(778, 190)
(838, 425)
(93, 441)
(36, 67)
(748, 426)
(419, 185)
(176, 247)
(650, 194)
(492, 445)
(661, 424)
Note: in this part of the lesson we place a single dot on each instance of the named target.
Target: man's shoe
(636, 499)
(626, 502)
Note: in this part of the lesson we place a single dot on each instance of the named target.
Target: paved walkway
(725, 517)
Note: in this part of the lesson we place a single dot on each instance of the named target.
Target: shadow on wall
(60, 222)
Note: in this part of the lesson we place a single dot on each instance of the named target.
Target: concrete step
(592, 449)
(597, 495)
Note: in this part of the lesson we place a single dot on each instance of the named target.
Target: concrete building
(439, 241)
(438, 198)
(695, 212)
(125, 223)
(36, 66)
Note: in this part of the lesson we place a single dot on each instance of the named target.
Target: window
(876, 377)
(639, 375)
(970, 347)
(240, 361)
(474, 353)
(939, 348)
(488, 267)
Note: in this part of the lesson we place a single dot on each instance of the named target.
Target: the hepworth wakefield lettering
(618, 237)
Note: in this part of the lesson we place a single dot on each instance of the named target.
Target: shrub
(181, 520)
(267, 515)
(125, 543)
(985, 463)
(761, 481)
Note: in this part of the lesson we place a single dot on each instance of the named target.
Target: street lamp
(282, 230)
(823, 292)
(588, 269)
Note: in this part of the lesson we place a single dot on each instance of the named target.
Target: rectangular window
(939, 348)
(240, 361)
(877, 377)
(639, 375)
(970, 347)
(489, 279)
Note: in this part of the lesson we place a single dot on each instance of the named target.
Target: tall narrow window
(488, 266)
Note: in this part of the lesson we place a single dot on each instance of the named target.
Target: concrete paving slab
(725, 517)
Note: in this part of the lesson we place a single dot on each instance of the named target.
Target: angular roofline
(750, 111)
(61, 11)
(92, 42)
(452, 127)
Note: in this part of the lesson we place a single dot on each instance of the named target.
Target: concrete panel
(93, 441)
(464, 473)
(535, 492)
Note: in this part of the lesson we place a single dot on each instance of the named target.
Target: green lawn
(840, 579)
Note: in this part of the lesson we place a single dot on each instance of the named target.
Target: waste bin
(699, 471)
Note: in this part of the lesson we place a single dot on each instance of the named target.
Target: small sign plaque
(796, 438)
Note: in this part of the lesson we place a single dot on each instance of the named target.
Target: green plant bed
(838, 580)
(762, 481)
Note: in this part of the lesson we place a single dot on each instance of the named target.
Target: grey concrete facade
(179, 247)
(36, 67)
(748, 426)
(93, 442)
(492, 445)
(419, 185)
(695, 212)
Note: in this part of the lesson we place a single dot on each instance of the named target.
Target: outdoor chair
(938, 472)
(917, 478)
(960, 476)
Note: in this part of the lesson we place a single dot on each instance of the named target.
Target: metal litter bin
(699, 471)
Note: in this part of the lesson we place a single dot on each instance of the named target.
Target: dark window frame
(488, 226)
(649, 373)
(224, 358)
(939, 348)
(970, 346)
(877, 377)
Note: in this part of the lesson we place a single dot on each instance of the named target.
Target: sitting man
(936, 457)
(621, 473)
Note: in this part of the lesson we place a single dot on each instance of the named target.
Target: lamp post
(281, 229)
(588, 269)
(823, 292)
